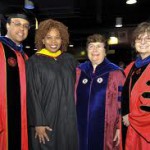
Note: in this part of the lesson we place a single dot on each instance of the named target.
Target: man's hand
(40, 133)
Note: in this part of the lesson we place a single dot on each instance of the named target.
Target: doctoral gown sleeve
(34, 95)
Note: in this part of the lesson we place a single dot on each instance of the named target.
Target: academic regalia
(51, 101)
(13, 116)
(137, 97)
(98, 98)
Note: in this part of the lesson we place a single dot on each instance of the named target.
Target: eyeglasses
(146, 39)
(18, 25)
(91, 46)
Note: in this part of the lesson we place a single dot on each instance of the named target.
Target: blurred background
(115, 19)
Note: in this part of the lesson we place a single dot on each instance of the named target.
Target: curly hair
(47, 25)
(97, 38)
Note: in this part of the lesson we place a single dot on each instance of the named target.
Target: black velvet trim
(125, 94)
(146, 94)
(13, 102)
(145, 108)
(148, 83)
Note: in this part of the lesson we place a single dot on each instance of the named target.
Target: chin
(53, 51)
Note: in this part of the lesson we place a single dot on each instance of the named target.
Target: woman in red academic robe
(136, 93)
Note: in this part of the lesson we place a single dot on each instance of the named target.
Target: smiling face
(96, 52)
(52, 40)
(17, 30)
(142, 45)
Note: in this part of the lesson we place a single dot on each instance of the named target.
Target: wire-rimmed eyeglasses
(18, 24)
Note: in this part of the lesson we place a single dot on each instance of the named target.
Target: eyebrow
(16, 20)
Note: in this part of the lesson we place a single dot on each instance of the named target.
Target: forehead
(144, 34)
(20, 20)
(53, 31)
(96, 43)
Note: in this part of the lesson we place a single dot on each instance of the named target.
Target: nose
(53, 40)
(22, 27)
(143, 40)
(95, 48)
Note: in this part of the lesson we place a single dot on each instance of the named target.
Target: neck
(95, 64)
(94, 67)
(17, 43)
(143, 56)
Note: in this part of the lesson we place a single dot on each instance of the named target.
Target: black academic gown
(50, 85)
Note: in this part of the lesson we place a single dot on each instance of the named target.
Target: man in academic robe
(13, 117)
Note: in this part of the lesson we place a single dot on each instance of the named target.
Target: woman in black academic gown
(50, 85)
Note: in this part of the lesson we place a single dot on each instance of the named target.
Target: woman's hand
(126, 120)
(40, 133)
(117, 137)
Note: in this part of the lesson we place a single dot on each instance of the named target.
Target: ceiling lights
(113, 39)
(118, 22)
(131, 1)
(28, 4)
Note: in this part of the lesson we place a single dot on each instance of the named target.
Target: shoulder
(118, 76)
(111, 67)
(128, 68)
(118, 73)
(68, 56)
(114, 66)
(116, 70)
(33, 59)
(2, 39)
(84, 65)
(1, 44)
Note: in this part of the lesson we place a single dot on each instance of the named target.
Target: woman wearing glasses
(136, 93)
(98, 92)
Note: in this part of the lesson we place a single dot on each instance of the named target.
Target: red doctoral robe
(138, 133)
(4, 143)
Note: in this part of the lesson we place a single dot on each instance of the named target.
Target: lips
(143, 47)
(53, 46)
(20, 34)
(95, 54)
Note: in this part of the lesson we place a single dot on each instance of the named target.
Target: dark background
(85, 17)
